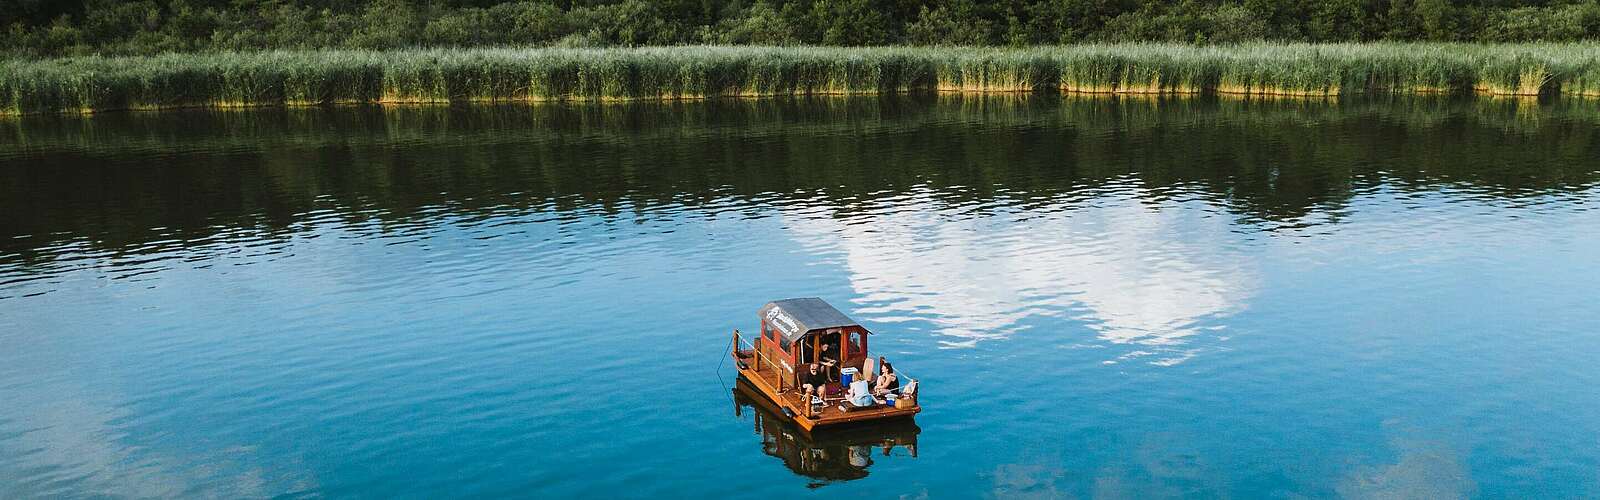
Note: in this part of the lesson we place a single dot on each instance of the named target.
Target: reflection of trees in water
(827, 454)
(122, 180)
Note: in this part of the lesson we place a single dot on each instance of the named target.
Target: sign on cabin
(783, 322)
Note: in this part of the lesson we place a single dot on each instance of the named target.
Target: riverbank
(300, 78)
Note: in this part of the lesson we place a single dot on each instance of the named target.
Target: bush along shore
(321, 77)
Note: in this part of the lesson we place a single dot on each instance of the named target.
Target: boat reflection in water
(828, 454)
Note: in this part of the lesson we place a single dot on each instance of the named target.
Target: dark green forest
(44, 28)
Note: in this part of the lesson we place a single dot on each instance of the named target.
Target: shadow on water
(825, 455)
(128, 182)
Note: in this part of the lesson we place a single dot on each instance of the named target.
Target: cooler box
(847, 375)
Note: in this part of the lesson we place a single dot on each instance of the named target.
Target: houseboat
(796, 333)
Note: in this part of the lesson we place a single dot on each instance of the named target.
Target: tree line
(45, 28)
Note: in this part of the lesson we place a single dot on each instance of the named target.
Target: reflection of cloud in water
(1424, 469)
(1028, 481)
(1135, 273)
(69, 437)
(1163, 465)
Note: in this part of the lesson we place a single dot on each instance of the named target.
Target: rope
(725, 354)
(724, 383)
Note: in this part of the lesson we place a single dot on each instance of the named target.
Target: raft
(798, 332)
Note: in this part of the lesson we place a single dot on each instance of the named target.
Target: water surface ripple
(1102, 297)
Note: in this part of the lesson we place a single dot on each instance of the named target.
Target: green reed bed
(273, 78)
(987, 70)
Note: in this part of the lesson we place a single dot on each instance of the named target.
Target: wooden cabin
(797, 332)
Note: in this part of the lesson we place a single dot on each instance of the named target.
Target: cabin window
(785, 343)
(856, 346)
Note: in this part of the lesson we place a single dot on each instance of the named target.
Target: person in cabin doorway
(828, 357)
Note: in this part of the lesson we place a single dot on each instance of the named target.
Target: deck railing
(740, 342)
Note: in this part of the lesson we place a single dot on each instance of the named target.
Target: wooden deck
(767, 382)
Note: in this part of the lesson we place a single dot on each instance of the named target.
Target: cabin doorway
(826, 350)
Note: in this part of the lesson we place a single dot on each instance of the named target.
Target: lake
(1100, 297)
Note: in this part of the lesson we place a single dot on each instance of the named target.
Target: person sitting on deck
(887, 381)
(860, 395)
(812, 381)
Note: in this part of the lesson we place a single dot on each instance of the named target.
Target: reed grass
(299, 78)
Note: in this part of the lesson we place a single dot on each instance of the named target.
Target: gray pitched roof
(795, 317)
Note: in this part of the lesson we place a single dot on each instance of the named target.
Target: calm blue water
(1102, 298)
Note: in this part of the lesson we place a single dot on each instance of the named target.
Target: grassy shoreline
(307, 78)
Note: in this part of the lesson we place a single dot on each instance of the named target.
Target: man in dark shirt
(812, 381)
(829, 360)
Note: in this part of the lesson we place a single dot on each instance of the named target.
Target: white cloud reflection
(63, 432)
(69, 437)
(1143, 275)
